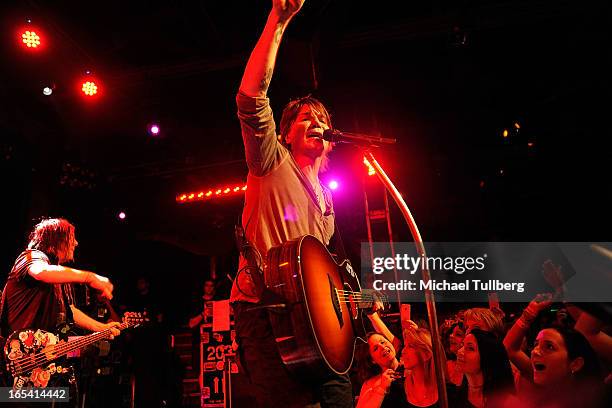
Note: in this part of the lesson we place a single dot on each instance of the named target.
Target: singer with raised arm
(284, 200)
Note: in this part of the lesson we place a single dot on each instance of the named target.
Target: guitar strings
(41, 357)
(64, 348)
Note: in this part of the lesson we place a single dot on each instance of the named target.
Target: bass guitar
(34, 357)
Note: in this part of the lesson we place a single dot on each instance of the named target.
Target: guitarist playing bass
(284, 200)
(38, 292)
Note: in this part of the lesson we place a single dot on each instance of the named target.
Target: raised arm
(516, 334)
(259, 68)
(591, 328)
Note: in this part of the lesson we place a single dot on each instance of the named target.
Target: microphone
(336, 136)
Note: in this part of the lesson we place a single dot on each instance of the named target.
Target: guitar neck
(87, 340)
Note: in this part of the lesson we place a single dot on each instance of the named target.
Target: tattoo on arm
(278, 34)
(265, 81)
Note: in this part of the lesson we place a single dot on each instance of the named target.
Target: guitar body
(35, 357)
(316, 332)
(27, 372)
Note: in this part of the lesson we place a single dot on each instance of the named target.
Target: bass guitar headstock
(134, 319)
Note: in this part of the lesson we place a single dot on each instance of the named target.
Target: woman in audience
(386, 381)
(488, 377)
(485, 320)
(455, 342)
(562, 366)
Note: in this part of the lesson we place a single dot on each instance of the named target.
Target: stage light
(371, 170)
(89, 88)
(47, 90)
(30, 39)
(505, 133)
(212, 193)
(154, 129)
(333, 184)
(121, 215)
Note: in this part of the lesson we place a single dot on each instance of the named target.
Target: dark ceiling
(444, 78)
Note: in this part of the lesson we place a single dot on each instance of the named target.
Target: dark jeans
(273, 384)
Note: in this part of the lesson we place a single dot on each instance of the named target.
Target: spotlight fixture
(30, 39)
(89, 88)
(153, 129)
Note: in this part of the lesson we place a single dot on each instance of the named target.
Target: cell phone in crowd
(405, 312)
(399, 371)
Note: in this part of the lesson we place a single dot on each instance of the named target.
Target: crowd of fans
(553, 354)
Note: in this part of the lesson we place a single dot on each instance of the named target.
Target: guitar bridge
(335, 298)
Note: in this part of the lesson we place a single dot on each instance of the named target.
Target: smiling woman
(488, 376)
(378, 368)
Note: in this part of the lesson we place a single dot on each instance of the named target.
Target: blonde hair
(491, 321)
(421, 339)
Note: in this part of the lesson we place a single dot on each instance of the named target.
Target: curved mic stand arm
(438, 350)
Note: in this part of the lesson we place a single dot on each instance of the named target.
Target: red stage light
(30, 39)
(200, 195)
(89, 88)
(371, 170)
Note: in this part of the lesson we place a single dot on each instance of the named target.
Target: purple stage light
(154, 130)
(333, 184)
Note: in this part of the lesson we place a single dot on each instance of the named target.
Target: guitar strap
(337, 244)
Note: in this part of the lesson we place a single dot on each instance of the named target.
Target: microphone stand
(439, 361)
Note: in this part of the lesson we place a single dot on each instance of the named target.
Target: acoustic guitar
(317, 319)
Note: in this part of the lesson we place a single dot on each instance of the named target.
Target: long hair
(51, 235)
(578, 346)
(494, 364)
(420, 339)
(366, 367)
(290, 113)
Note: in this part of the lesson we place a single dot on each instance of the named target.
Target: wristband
(529, 316)
(522, 323)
